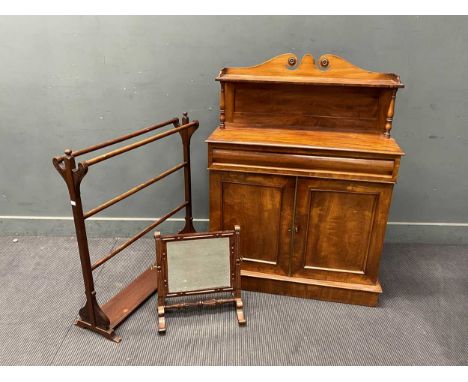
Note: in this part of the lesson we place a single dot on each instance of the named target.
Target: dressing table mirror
(198, 264)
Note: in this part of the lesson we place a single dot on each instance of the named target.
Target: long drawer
(305, 165)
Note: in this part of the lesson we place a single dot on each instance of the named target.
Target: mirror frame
(163, 282)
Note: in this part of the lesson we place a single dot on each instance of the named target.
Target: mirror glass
(198, 264)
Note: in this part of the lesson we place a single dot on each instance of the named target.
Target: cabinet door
(340, 229)
(262, 205)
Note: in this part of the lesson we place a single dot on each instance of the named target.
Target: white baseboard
(27, 217)
(18, 217)
(397, 232)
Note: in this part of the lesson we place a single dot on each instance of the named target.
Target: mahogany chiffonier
(303, 161)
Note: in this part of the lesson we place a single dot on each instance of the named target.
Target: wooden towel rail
(104, 319)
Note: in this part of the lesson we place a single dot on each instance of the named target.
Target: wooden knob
(68, 152)
(324, 62)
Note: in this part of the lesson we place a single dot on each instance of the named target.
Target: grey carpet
(422, 318)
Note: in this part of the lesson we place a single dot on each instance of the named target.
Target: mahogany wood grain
(119, 307)
(340, 227)
(304, 161)
(329, 107)
(132, 191)
(317, 164)
(122, 138)
(331, 70)
(135, 145)
(162, 266)
(347, 293)
(308, 81)
(307, 139)
(103, 320)
(280, 92)
(261, 204)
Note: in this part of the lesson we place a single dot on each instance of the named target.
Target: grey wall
(74, 81)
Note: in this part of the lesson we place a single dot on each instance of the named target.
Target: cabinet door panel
(262, 206)
(341, 225)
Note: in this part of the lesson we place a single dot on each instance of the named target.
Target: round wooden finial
(185, 114)
(324, 62)
(68, 152)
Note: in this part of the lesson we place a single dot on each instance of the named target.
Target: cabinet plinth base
(357, 294)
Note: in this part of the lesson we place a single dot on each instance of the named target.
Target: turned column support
(390, 113)
(222, 116)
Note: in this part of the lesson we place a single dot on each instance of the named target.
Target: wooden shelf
(307, 139)
(119, 307)
(318, 81)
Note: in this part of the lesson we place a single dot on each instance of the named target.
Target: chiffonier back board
(304, 162)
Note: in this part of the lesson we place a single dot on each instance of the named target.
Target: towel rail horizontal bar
(132, 191)
(137, 236)
(135, 145)
(77, 153)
